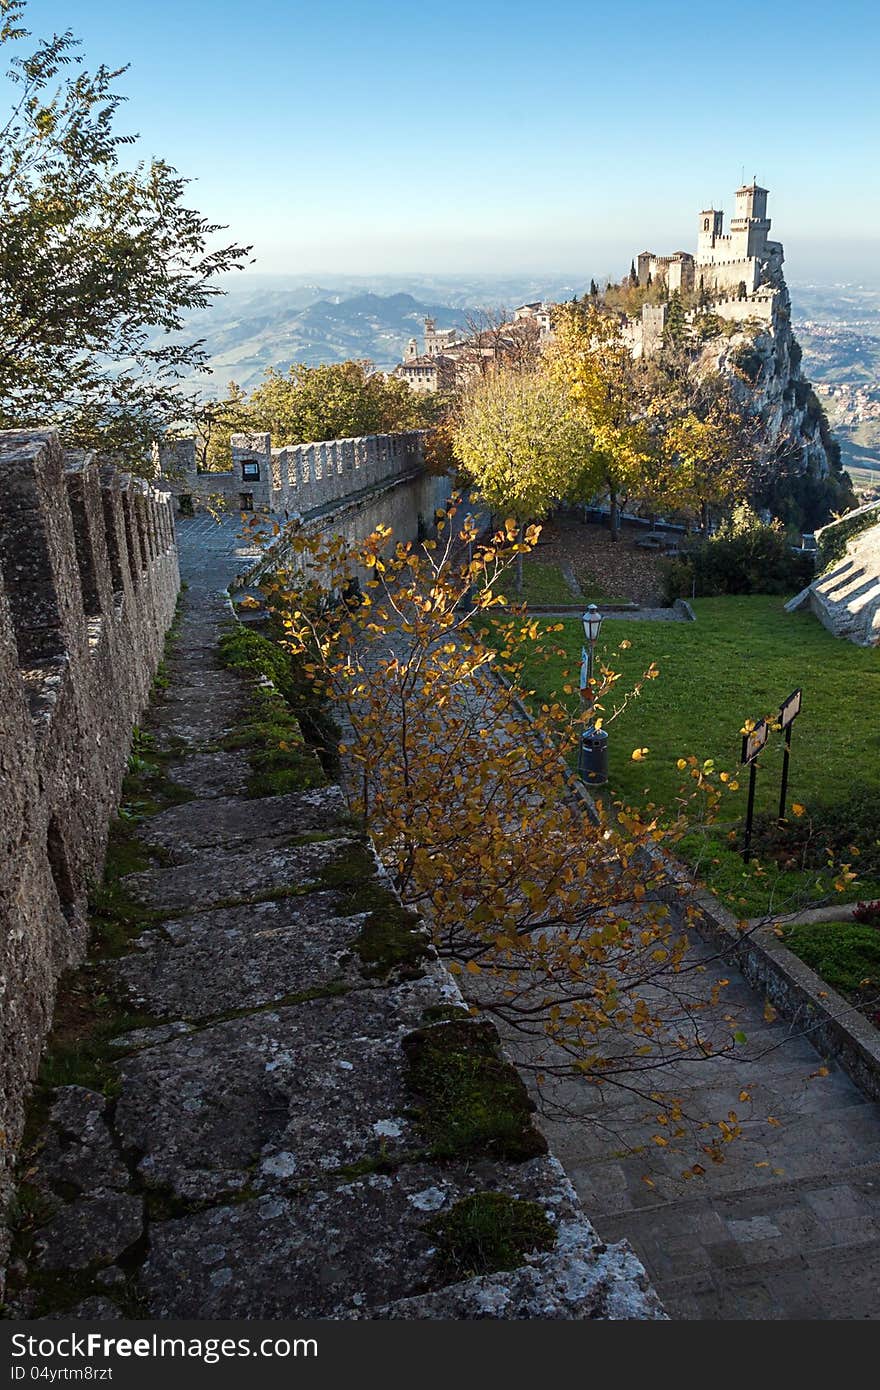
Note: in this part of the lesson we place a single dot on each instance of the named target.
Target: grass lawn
(544, 584)
(846, 954)
(741, 658)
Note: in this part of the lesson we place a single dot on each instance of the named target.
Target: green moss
(146, 788)
(445, 1013)
(116, 916)
(162, 1203)
(845, 954)
(299, 771)
(329, 991)
(294, 695)
(392, 937)
(281, 760)
(487, 1232)
(472, 1102)
(373, 1163)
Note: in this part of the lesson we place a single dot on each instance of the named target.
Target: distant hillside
(839, 331)
(246, 333)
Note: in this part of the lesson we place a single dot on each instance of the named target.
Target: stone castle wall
(297, 479)
(88, 586)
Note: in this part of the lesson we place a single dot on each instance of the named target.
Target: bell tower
(709, 230)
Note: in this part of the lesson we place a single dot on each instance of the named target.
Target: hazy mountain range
(271, 321)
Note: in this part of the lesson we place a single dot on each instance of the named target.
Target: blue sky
(368, 136)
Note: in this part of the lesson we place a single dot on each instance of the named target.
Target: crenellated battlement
(298, 479)
(88, 586)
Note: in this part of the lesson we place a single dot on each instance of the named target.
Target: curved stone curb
(834, 1027)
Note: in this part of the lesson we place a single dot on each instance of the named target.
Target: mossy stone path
(228, 1123)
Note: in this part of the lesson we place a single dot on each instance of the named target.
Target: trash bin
(593, 757)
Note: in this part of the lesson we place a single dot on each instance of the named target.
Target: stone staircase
(846, 598)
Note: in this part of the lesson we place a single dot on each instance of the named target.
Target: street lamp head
(592, 621)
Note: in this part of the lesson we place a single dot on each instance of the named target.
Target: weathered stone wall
(298, 479)
(88, 585)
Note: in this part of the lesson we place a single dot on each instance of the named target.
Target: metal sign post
(788, 713)
(752, 744)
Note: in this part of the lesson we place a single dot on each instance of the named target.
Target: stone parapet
(296, 479)
(88, 586)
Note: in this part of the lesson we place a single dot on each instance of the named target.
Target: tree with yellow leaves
(555, 920)
(604, 390)
(517, 441)
(706, 440)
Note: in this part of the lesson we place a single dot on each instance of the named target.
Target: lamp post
(593, 751)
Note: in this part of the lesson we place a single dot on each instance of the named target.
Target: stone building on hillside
(675, 271)
(450, 357)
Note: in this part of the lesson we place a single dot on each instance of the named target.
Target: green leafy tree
(676, 328)
(340, 400)
(99, 264)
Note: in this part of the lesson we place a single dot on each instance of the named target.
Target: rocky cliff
(800, 477)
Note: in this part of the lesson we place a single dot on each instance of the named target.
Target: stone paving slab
(211, 774)
(242, 958)
(331, 1251)
(219, 877)
(97, 1228)
(562, 1285)
(194, 724)
(313, 1087)
(184, 831)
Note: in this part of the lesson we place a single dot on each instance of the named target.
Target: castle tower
(643, 265)
(751, 202)
(751, 224)
(709, 230)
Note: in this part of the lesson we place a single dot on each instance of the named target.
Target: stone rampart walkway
(255, 1103)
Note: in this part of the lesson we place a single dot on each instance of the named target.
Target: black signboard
(790, 708)
(754, 741)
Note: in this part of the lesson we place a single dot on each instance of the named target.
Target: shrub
(745, 557)
(845, 954)
(835, 537)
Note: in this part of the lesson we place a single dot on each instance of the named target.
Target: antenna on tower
(742, 175)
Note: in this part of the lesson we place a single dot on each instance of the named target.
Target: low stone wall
(88, 586)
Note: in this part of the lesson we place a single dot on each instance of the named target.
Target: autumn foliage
(558, 920)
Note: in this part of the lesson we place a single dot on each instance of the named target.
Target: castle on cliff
(739, 262)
